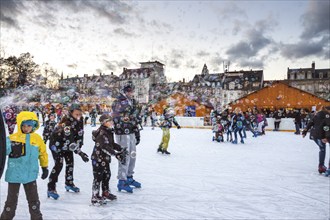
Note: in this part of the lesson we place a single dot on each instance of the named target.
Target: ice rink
(270, 177)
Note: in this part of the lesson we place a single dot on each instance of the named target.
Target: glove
(304, 132)
(44, 172)
(84, 156)
(179, 127)
(121, 156)
(137, 137)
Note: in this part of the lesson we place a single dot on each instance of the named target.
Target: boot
(159, 150)
(53, 194)
(106, 195)
(322, 169)
(72, 188)
(166, 152)
(122, 185)
(132, 182)
(98, 200)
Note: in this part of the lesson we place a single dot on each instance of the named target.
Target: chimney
(100, 74)
(111, 73)
(313, 65)
(183, 80)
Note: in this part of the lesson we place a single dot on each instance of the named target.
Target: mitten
(84, 156)
(44, 173)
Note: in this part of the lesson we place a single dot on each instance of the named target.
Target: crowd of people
(117, 136)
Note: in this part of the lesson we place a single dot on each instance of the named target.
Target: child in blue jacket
(25, 148)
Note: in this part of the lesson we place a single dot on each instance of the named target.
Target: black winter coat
(105, 145)
(317, 124)
(68, 131)
(125, 115)
(49, 128)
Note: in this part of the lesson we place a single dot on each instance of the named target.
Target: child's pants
(165, 138)
(102, 174)
(32, 197)
(58, 159)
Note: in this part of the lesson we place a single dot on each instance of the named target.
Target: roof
(297, 97)
(152, 62)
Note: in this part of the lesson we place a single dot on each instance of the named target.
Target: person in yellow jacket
(24, 148)
(165, 122)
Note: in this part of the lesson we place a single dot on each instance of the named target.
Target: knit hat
(31, 123)
(105, 118)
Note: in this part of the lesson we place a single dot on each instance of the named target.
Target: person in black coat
(297, 121)
(67, 138)
(49, 127)
(318, 133)
(104, 148)
(277, 119)
(127, 134)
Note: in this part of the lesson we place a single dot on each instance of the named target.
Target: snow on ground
(269, 177)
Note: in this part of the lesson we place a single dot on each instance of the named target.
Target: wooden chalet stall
(279, 95)
(180, 104)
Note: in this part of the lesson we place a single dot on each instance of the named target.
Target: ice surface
(269, 177)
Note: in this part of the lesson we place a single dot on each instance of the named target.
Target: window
(292, 76)
(321, 75)
(309, 75)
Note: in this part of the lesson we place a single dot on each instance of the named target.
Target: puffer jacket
(125, 115)
(24, 150)
(105, 145)
(68, 131)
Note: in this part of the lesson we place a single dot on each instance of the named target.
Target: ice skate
(122, 185)
(132, 182)
(72, 188)
(98, 201)
(108, 196)
(322, 169)
(52, 194)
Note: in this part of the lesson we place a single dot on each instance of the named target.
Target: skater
(153, 117)
(25, 148)
(165, 122)
(67, 138)
(49, 127)
(277, 120)
(297, 121)
(317, 133)
(125, 117)
(237, 125)
(93, 115)
(104, 148)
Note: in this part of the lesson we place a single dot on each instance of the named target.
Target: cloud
(202, 53)
(123, 32)
(249, 47)
(306, 48)
(191, 64)
(9, 10)
(176, 58)
(72, 66)
(315, 37)
(316, 20)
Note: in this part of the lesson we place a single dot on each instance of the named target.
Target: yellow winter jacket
(24, 150)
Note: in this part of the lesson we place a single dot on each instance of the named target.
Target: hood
(23, 116)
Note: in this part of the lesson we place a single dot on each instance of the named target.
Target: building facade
(312, 80)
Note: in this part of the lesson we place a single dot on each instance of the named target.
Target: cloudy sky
(92, 36)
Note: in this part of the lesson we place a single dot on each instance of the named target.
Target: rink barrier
(286, 125)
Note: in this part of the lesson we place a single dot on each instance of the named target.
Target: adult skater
(125, 117)
(316, 125)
